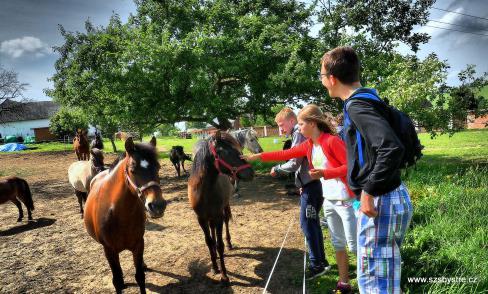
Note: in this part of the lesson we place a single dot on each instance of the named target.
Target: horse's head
(78, 134)
(97, 159)
(226, 151)
(143, 175)
(252, 143)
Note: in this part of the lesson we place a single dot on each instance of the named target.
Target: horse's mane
(240, 136)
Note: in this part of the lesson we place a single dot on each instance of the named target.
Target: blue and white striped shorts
(379, 241)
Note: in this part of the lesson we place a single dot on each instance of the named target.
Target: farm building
(27, 119)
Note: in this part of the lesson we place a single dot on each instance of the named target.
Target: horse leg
(236, 188)
(80, 200)
(78, 155)
(214, 241)
(29, 214)
(210, 243)
(114, 262)
(138, 256)
(178, 169)
(19, 206)
(183, 165)
(220, 248)
(227, 215)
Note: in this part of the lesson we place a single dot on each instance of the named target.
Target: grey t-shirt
(297, 165)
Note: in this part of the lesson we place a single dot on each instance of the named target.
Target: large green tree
(212, 61)
(190, 60)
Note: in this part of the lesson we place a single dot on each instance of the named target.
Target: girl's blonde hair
(313, 113)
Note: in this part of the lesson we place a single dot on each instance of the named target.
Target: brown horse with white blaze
(216, 160)
(13, 189)
(115, 211)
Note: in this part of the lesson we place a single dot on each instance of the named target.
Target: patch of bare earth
(54, 253)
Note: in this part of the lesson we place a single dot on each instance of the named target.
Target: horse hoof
(30, 218)
(216, 271)
(19, 220)
(229, 246)
(225, 281)
(237, 195)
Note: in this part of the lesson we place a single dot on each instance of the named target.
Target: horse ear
(129, 145)
(153, 141)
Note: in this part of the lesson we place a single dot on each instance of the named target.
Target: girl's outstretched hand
(251, 157)
(316, 173)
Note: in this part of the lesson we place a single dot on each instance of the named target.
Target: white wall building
(22, 128)
(22, 119)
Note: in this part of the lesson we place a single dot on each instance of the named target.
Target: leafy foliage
(66, 121)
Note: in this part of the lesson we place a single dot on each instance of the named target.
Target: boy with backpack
(379, 142)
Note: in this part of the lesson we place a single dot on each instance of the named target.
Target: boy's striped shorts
(379, 241)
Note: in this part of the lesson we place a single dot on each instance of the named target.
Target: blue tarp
(12, 147)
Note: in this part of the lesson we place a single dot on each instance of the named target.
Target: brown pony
(81, 146)
(115, 208)
(216, 160)
(13, 188)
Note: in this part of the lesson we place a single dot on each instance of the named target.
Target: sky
(29, 29)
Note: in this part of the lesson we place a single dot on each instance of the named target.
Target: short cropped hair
(342, 63)
(285, 113)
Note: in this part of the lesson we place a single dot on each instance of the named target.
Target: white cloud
(27, 45)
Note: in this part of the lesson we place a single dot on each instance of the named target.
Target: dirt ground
(54, 254)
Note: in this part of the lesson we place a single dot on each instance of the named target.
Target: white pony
(80, 174)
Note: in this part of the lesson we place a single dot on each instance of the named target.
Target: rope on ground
(304, 265)
(278, 256)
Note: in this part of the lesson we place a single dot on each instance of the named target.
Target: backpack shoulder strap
(361, 94)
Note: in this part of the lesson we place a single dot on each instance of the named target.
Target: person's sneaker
(342, 288)
(317, 271)
(323, 223)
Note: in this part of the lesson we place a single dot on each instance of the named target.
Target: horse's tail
(27, 194)
(227, 212)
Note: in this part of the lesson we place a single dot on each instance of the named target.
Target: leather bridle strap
(219, 161)
(141, 189)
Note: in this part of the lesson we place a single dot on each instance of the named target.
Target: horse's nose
(156, 208)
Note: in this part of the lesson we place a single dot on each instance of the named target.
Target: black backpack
(400, 123)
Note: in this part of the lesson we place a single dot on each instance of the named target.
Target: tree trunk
(113, 143)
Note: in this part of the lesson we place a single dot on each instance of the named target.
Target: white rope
(304, 265)
(278, 256)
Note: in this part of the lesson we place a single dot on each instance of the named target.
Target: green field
(448, 236)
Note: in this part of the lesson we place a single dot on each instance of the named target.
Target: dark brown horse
(13, 189)
(216, 160)
(177, 157)
(80, 145)
(115, 211)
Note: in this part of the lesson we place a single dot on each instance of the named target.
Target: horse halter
(219, 161)
(139, 190)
